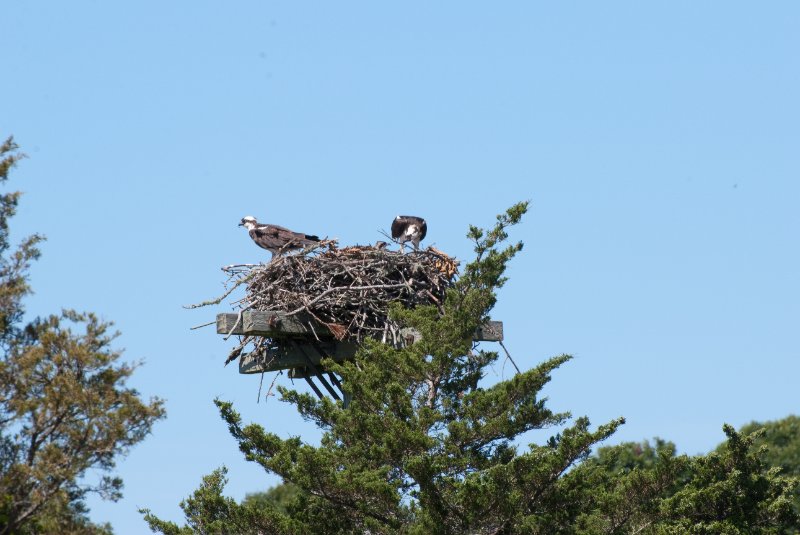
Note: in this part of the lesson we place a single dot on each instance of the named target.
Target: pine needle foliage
(734, 492)
(637, 488)
(778, 444)
(14, 264)
(65, 410)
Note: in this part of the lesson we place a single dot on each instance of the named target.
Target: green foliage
(210, 513)
(782, 438)
(636, 488)
(778, 445)
(632, 455)
(281, 497)
(619, 490)
(732, 492)
(64, 406)
(64, 518)
(14, 264)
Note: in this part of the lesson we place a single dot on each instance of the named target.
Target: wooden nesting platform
(304, 346)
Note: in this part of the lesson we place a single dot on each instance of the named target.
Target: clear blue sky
(659, 145)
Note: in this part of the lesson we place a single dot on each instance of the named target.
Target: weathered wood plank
(491, 331)
(226, 323)
(289, 356)
(273, 324)
(279, 324)
(297, 355)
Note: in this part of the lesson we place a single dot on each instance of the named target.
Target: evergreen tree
(620, 488)
(426, 448)
(782, 441)
(279, 497)
(64, 406)
(423, 446)
(778, 444)
(636, 488)
(732, 492)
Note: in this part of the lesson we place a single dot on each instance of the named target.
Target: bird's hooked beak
(241, 224)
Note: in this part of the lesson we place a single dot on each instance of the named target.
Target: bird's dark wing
(276, 237)
(398, 226)
(298, 238)
(402, 222)
(268, 236)
(423, 229)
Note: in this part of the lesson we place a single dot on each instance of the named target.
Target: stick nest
(347, 290)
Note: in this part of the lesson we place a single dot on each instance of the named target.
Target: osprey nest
(346, 291)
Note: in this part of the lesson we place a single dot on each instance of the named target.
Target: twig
(258, 399)
(236, 323)
(345, 288)
(509, 356)
(219, 299)
(230, 267)
(272, 384)
(387, 236)
(201, 326)
(313, 330)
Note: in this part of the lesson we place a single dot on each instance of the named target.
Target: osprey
(409, 228)
(275, 239)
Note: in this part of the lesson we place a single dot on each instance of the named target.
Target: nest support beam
(304, 343)
(296, 354)
(316, 390)
(317, 372)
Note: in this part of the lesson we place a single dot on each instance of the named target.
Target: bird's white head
(249, 222)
